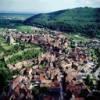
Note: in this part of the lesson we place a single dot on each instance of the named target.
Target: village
(58, 73)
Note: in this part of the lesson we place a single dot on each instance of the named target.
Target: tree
(5, 75)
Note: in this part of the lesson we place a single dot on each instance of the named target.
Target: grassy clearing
(23, 55)
(24, 28)
(78, 37)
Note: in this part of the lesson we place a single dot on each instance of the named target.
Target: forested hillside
(79, 20)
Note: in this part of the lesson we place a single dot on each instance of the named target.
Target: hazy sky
(44, 5)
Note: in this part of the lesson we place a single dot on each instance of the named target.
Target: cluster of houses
(60, 69)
